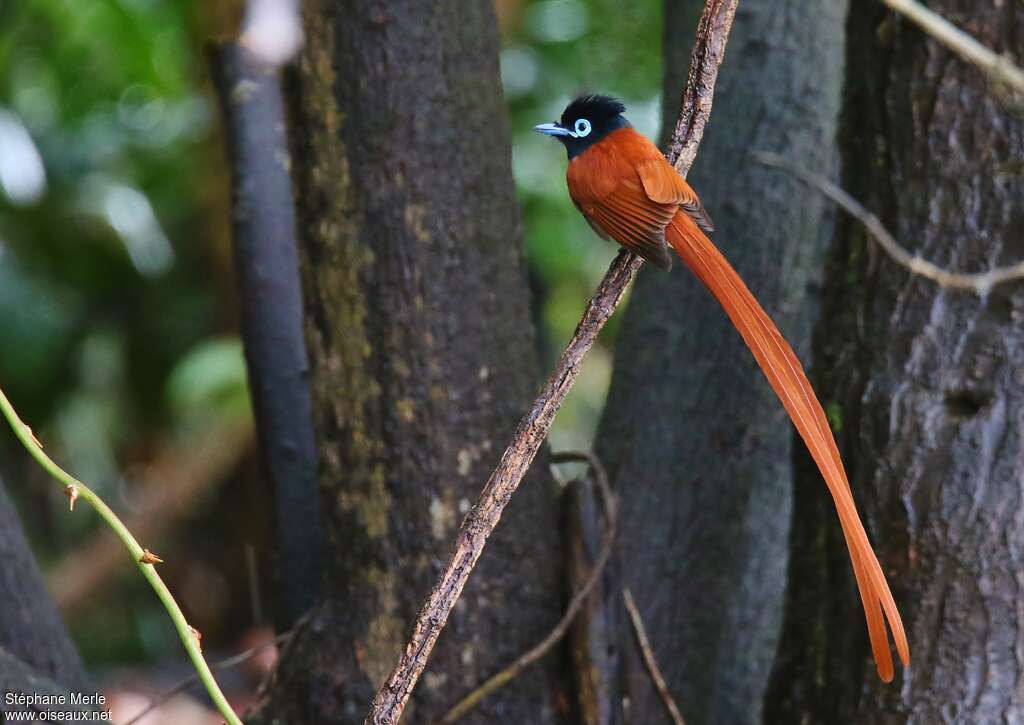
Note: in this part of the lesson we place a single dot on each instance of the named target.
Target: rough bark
(927, 386)
(31, 630)
(698, 445)
(422, 359)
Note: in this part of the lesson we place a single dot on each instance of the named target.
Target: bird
(629, 192)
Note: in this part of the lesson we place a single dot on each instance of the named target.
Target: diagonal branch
(174, 482)
(647, 651)
(496, 682)
(391, 699)
(997, 67)
(980, 284)
(144, 558)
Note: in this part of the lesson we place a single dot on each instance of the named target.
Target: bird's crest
(595, 107)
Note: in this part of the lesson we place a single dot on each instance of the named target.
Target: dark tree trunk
(929, 388)
(31, 630)
(698, 445)
(422, 359)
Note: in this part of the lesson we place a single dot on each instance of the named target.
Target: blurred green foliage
(108, 93)
(114, 275)
(116, 298)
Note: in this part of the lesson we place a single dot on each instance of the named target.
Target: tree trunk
(698, 445)
(422, 360)
(928, 385)
(31, 630)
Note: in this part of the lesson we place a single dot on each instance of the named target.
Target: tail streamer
(787, 378)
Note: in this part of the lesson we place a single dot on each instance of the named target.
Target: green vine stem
(143, 558)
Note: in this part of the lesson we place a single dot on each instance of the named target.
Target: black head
(586, 121)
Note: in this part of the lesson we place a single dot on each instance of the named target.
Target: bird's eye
(582, 127)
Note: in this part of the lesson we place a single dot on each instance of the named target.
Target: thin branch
(224, 664)
(508, 674)
(391, 699)
(75, 489)
(270, 295)
(174, 482)
(981, 284)
(695, 106)
(997, 67)
(648, 655)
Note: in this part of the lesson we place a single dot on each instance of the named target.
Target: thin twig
(997, 67)
(526, 659)
(393, 695)
(648, 655)
(981, 284)
(224, 664)
(174, 482)
(75, 489)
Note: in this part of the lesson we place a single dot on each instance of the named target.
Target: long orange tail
(790, 383)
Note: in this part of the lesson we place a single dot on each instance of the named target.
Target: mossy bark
(928, 382)
(698, 445)
(422, 357)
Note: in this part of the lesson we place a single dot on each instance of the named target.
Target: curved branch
(997, 67)
(392, 697)
(144, 559)
(980, 284)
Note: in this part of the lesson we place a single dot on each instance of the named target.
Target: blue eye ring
(581, 128)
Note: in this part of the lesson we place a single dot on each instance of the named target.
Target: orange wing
(628, 192)
(606, 186)
(664, 185)
(786, 376)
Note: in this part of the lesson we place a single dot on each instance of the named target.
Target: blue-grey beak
(552, 129)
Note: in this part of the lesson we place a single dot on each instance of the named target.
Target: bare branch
(391, 699)
(695, 105)
(501, 679)
(980, 284)
(997, 67)
(648, 655)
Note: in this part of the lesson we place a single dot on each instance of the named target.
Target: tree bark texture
(594, 645)
(697, 443)
(31, 629)
(927, 386)
(422, 358)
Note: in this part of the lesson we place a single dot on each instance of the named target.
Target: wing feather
(664, 185)
(647, 240)
(606, 187)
